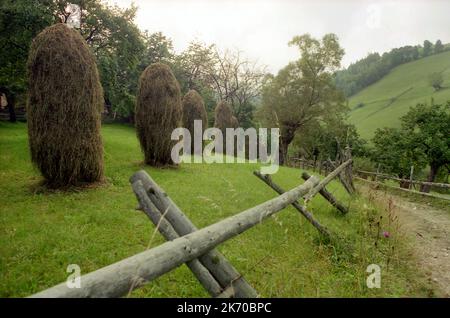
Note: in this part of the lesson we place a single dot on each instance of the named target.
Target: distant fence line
(409, 181)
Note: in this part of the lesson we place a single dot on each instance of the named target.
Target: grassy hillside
(383, 103)
(42, 232)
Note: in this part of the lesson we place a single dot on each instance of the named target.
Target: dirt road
(429, 227)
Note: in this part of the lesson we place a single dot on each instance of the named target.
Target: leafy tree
(427, 48)
(303, 90)
(427, 128)
(322, 139)
(20, 22)
(110, 32)
(226, 76)
(438, 47)
(392, 149)
(436, 79)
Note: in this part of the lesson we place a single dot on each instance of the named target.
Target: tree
(436, 79)
(109, 31)
(427, 128)
(20, 22)
(303, 90)
(438, 47)
(238, 81)
(321, 139)
(427, 48)
(228, 76)
(392, 149)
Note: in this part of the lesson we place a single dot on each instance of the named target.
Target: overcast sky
(262, 28)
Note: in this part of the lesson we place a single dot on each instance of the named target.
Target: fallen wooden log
(328, 196)
(326, 180)
(120, 278)
(214, 261)
(268, 180)
(201, 272)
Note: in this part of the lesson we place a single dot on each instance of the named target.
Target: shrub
(64, 105)
(158, 113)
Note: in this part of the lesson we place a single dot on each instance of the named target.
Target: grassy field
(383, 103)
(42, 232)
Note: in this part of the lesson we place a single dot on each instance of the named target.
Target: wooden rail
(120, 278)
(386, 176)
(403, 189)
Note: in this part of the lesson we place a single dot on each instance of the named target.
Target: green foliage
(422, 139)
(65, 101)
(158, 113)
(20, 22)
(438, 47)
(391, 149)
(322, 139)
(303, 90)
(109, 31)
(427, 48)
(436, 79)
(427, 128)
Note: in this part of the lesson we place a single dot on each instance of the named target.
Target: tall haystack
(158, 113)
(194, 109)
(64, 105)
(224, 119)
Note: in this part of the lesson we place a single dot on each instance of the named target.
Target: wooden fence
(187, 244)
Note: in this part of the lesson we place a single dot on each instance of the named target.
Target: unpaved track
(429, 228)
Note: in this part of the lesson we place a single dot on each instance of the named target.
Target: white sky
(262, 28)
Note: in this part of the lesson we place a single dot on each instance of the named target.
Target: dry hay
(194, 109)
(224, 119)
(158, 113)
(64, 105)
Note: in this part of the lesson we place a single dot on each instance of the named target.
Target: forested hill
(372, 68)
(384, 102)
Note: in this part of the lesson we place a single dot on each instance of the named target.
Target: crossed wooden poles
(187, 244)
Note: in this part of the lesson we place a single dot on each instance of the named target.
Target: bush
(158, 113)
(193, 109)
(64, 105)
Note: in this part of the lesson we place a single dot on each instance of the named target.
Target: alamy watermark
(374, 278)
(74, 279)
(241, 146)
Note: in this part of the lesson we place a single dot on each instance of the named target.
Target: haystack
(158, 113)
(64, 105)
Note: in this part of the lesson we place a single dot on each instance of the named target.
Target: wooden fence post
(120, 278)
(266, 178)
(214, 261)
(328, 196)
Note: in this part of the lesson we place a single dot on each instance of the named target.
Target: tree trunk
(283, 147)
(433, 172)
(10, 98)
